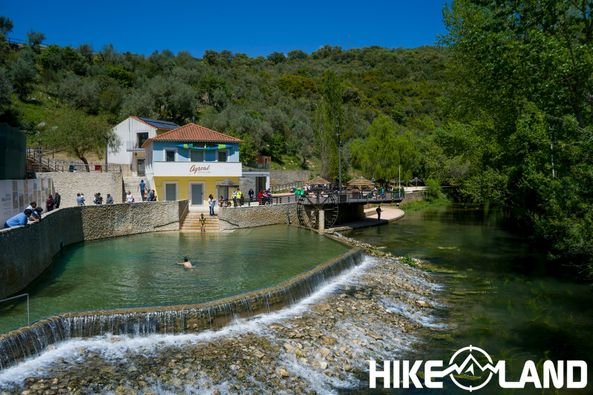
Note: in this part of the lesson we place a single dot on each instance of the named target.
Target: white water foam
(416, 316)
(114, 348)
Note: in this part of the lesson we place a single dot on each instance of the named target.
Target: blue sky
(251, 27)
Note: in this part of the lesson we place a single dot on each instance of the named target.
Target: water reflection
(501, 294)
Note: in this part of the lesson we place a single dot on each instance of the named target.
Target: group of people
(264, 197)
(99, 199)
(53, 201)
(146, 194)
(32, 213)
(237, 198)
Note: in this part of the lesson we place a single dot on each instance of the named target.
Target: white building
(132, 133)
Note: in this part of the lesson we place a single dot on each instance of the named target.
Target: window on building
(222, 156)
(170, 155)
(197, 156)
(141, 138)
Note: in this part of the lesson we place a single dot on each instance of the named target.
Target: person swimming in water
(186, 263)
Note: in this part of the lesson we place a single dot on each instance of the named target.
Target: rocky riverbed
(321, 345)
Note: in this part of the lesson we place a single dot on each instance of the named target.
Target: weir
(29, 341)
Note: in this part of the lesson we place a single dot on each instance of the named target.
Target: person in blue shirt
(21, 219)
(142, 188)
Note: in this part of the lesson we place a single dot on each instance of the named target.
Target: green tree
(297, 54)
(384, 151)
(276, 57)
(78, 134)
(6, 25)
(330, 125)
(35, 39)
(526, 69)
(23, 74)
(5, 92)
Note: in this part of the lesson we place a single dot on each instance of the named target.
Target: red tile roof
(194, 133)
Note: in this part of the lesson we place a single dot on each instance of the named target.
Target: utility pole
(399, 180)
(339, 163)
(106, 153)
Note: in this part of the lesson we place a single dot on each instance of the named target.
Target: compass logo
(470, 365)
(476, 364)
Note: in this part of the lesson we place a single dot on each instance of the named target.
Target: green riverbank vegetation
(500, 112)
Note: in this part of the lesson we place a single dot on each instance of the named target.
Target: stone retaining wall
(28, 251)
(99, 222)
(69, 184)
(279, 177)
(413, 196)
(248, 217)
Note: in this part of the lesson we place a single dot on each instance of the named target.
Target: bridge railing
(345, 197)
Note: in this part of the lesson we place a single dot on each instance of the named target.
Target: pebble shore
(320, 346)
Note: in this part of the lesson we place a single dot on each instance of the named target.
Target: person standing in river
(203, 222)
(186, 263)
(378, 210)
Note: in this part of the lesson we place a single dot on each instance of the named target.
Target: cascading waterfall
(29, 341)
(321, 343)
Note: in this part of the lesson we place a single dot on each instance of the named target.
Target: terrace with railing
(40, 161)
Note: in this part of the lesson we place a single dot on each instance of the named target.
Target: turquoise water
(141, 270)
(499, 293)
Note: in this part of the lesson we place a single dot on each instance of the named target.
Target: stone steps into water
(192, 223)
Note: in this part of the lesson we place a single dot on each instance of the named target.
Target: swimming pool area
(141, 270)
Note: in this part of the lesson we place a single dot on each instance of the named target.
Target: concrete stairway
(132, 184)
(191, 223)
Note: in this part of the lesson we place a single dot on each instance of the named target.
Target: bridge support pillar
(321, 221)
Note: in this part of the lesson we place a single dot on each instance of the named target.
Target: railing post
(17, 297)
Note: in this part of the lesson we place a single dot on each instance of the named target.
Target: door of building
(170, 192)
(260, 184)
(197, 194)
(140, 163)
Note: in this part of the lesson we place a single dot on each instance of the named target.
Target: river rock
(282, 372)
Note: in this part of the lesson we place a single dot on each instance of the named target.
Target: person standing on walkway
(49, 203)
(57, 200)
(142, 189)
(379, 213)
(211, 204)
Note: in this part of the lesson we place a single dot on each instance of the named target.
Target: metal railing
(287, 186)
(17, 297)
(43, 161)
(350, 196)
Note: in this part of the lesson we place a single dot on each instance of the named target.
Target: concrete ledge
(231, 218)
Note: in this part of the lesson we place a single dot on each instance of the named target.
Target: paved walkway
(388, 214)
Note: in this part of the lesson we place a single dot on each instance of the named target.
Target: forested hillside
(277, 105)
(502, 111)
